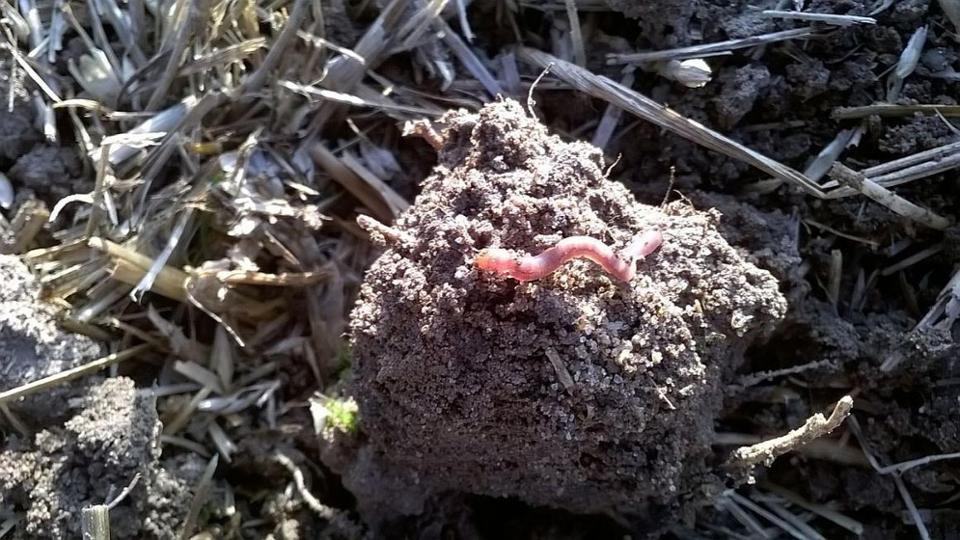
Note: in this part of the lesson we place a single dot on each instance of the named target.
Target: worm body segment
(622, 266)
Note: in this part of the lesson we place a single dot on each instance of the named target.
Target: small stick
(425, 130)
(530, 268)
(565, 379)
(887, 198)
(815, 427)
(382, 234)
(321, 509)
(95, 522)
(283, 279)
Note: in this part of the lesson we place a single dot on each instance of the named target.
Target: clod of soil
(91, 460)
(574, 391)
(53, 170)
(32, 346)
(49, 171)
(17, 132)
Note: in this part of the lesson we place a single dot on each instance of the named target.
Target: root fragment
(747, 457)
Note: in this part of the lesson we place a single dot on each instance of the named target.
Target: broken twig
(815, 427)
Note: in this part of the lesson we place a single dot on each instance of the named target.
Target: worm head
(495, 260)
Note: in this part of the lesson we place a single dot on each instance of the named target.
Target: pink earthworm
(532, 267)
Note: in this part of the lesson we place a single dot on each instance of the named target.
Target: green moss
(217, 178)
(342, 414)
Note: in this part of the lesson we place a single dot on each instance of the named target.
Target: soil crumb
(50, 170)
(32, 346)
(96, 454)
(17, 131)
(575, 391)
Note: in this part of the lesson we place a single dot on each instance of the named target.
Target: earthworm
(532, 267)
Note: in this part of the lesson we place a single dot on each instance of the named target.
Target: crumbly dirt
(17, 131)
(33, 165)
(486, 388)
(451, 364)
(32, 345)
(35, 169)
(111, 438)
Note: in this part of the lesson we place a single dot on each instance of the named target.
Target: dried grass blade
(32, 73)
(825, 512)
(647, 109)
(223, 57)
(890, 109)
(887, 198)
(796, 521)
(708, 49)
(221, 358)
(611, 117)
(766, 514)
(161, 122)
(743, 517)
(70, 374)
(462, 18)
(277, 49)
(183, 415)
(469, 60)
(364, 192)
(200, 494)
(199, 374)
(393, 199)
(225, 446)
(417, 25)
(160, 261)
(826, 18)
(934, 154)
(912, 508)
(951, 8)
(186, 18)
(170, 280)
(284, 279)
(947, 307)
(576, 34)
(354, 100)
(167, 284)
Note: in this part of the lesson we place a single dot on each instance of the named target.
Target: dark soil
(466, 428)
(111, 438)
(48, 170)
(451, 364)
(32, 345)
